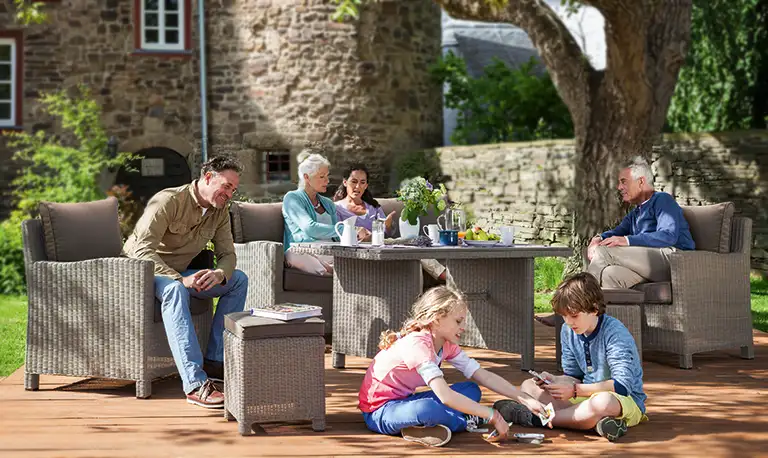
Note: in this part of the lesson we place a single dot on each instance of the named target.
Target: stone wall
(281, 75)
(525, 184)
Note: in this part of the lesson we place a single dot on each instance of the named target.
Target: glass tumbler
(377, 232)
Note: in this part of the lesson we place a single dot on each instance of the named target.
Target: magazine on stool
(287, 311)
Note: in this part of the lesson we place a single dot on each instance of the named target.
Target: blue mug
(450, 238)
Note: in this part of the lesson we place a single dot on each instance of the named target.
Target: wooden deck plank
(720, 408)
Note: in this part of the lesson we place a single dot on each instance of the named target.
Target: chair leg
(31, 381)
(318, 424)
(244, 428)
(686, 361)
(339, 360)
(228, 416)
(748, 351)
(143, 389)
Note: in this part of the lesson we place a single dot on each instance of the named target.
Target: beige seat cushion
(247, 327)
(711, 226)
(656, 293)
(296, 280)
(80, 231)
(622, 296)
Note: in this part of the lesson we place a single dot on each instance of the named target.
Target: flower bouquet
(418, 196)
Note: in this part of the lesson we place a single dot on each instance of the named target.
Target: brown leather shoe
(214, 370)
(208, 396)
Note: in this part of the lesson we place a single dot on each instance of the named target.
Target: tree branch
(568, 67)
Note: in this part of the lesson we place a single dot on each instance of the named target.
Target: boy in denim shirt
(603, 383)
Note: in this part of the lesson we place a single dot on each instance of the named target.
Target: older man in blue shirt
(638, 249)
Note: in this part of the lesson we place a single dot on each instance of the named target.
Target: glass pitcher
(453, 219)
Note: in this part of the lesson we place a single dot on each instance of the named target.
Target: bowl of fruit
(479, 237)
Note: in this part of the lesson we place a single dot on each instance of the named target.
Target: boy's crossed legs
(606, 412)
(580, 415)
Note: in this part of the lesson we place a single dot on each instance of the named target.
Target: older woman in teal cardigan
(309, 216)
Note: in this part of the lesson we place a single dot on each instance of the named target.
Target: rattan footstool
(626, 305)
(273, 371)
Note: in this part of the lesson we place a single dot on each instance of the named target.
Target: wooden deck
(720, 408)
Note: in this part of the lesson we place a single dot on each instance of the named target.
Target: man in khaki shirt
(177, 225)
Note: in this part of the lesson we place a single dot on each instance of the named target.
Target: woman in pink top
(411, 358)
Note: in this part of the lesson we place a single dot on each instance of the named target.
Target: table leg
(370, 297)
(500, 296)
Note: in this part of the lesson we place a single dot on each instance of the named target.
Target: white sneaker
(431, 436)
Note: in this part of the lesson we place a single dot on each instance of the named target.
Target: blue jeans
(180, 330)
(421, 409)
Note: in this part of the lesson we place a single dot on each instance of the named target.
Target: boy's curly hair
(221, 163)
(579, 293)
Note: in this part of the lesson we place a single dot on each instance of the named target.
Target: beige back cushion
(711, 226)
(80, 231)
(251, 222)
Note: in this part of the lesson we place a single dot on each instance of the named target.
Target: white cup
(433, 232)
(349, 236)
(507, 235)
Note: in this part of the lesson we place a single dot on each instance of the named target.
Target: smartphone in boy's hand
(538, 377)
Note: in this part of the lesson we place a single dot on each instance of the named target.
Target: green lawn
(13, 312)
(13, 327)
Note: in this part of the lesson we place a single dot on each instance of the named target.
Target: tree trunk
(617, 113)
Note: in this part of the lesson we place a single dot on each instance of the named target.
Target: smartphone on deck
(495, 433)
(536, 375)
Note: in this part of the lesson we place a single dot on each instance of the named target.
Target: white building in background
(479, 42)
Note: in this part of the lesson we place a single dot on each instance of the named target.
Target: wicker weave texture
(270, 380)
(370, 297)
(263, 263)
(711, 302)
(500, 297)
(95, 318)
(90, 317)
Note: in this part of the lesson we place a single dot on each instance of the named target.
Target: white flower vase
(408, 230)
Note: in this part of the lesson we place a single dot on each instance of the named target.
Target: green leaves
(28, 13)
(418, 196)
(346, 9)
(502, 105)
(720, 86)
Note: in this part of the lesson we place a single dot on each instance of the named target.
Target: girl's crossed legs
(420, 409)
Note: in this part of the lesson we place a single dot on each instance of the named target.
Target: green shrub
(62, 168)
(11, 259)
(503, 104)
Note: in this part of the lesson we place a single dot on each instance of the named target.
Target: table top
(399, 252)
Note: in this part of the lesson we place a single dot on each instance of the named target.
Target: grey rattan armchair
(91, 312)
(707, 304)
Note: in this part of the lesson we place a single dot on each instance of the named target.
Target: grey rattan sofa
(258, 233)
(91, 312)
(706, 306)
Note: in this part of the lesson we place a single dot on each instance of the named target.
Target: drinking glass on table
(377, 232)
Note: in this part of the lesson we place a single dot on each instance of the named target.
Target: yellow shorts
(630, 412)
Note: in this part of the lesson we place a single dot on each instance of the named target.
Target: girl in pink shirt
(411, 358)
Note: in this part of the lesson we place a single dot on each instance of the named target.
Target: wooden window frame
(288, 159)
(17, 82)
(184, 48)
